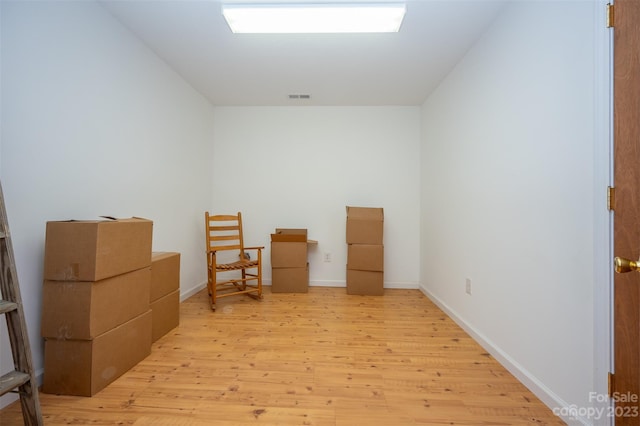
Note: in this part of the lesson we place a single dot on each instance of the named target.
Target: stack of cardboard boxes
(365, 251)
(165, 293)
(289, 265)
(96, 319)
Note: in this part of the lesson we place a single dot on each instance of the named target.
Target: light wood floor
(322, 358)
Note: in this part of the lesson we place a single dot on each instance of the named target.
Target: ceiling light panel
(314, 18)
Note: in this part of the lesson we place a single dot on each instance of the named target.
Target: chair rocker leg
(212, 300)
(255, 296)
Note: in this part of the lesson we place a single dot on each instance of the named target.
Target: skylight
(289, 18)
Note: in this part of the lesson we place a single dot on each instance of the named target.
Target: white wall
(298, 167)
(508, 194)
(95, 124)
(6, 360)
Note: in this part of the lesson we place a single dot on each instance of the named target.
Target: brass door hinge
(612, 384)
(611, 198)
(610, 21)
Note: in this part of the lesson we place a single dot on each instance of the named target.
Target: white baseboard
(549, 398)
(401, 285)
(193, 290)
(325, 283)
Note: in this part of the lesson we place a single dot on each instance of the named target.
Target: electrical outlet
(327, 256)
(467, 288)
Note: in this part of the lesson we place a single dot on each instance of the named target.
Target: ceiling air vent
(299, 96)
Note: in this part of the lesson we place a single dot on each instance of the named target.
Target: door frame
(603, 218)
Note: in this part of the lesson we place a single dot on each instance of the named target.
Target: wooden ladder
(22, 379)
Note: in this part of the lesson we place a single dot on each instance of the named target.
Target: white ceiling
(335, 69)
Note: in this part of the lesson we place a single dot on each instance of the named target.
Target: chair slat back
(224, 232)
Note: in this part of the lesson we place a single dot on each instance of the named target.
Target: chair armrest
(254, 248)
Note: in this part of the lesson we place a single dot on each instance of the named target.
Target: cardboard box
(97, 249)
(165, 314)
(364, 225)
(84, 367)
(289, 235)
(84, 310)
(365, 282)
(165, 274)
(290, 280)
(289, 248)
(365, 257)
(288, 255)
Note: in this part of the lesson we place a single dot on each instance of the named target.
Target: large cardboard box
(365, 257)
(365, 282)
(165, 274)
(289, 248)
(84, 310)
(96, 249)
(290, 280)
(364, 225)
(165, 313)
(84, 367)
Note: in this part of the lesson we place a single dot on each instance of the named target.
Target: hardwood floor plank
(322, 358)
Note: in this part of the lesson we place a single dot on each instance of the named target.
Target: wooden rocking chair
(226, 256)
